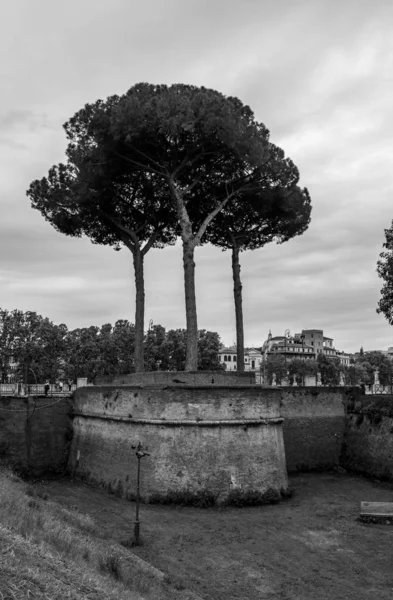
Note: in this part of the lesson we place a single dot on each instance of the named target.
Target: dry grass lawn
(306, 548)
(51, 552)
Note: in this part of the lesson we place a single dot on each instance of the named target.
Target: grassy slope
(50, 552)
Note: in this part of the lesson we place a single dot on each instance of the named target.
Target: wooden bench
(376, 512)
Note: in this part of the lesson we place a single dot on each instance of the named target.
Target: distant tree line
(33, 348)
(360, 370)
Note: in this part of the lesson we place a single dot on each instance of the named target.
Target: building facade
(308, 344)
(288, 346)
(228, 358)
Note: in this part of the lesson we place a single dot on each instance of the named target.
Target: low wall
(204, 440)
(35, 434)
(314, 421)
(368, 444)
(179, 378)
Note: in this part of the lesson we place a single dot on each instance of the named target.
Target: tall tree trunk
(237, 293)
(190, 241)
(191, 312)
(139, 310)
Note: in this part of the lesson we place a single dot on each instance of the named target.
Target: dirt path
(306, 548)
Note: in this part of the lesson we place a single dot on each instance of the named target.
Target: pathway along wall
(205, 441)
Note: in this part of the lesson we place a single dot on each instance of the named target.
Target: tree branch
(125, 232)
(138, 164)
(189, 159)
(145, 155)
(193, 184)
(210, 217)
(185, 223)
(151, 242)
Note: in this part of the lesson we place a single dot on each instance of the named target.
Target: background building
(252, 359)
(288, 346)
(305, 345)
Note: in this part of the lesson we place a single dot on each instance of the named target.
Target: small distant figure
(47, 387)
(69, 385)
(363, 387)
(60, 386)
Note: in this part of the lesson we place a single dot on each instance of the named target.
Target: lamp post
(302, 338)
(147, 341)
(140, 453)
(287, 333)
(36, 385)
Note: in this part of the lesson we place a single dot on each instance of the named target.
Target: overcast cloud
(317, 73)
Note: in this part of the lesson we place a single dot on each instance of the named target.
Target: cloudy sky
(317, 73)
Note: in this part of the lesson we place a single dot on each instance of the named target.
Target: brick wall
(202, 439)
(35, 437)
(314, 419)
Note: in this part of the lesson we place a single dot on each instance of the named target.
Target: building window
(253, 364)
(234, 359)
(225, 358)
(229, 358)
(312, 343)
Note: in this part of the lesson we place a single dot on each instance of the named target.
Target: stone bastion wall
(187, 425)
(368, 436)
(203, 439)
(225, 378)
(314, 424)
(35, 433)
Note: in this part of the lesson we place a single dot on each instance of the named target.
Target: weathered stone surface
(202, 439)
(179, 377)
(35, 434)
(314, 420)
(180, 402)
(368, 444)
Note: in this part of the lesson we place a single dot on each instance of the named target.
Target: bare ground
(308, 547)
